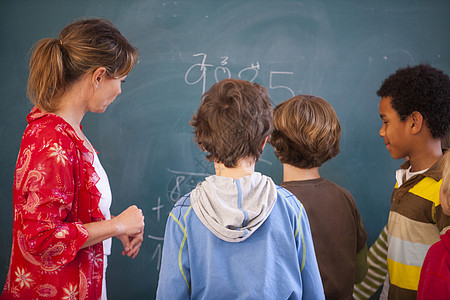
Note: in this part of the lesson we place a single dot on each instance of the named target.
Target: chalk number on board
(224, 71)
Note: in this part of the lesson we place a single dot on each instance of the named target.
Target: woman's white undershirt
(105, 205)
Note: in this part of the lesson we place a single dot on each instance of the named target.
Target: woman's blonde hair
(80, 48)
(306, 131)
(445, 142)
(445, 188)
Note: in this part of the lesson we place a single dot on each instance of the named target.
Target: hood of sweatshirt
(233, 209)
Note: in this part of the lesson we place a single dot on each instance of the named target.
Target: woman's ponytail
(46, 79)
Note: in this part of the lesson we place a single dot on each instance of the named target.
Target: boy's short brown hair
(233, 120)
(306, 132)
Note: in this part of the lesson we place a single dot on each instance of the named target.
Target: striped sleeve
(377, 268)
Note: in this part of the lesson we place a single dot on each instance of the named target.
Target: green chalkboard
(339, 50)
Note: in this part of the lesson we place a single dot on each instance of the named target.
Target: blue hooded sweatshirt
(243, 238)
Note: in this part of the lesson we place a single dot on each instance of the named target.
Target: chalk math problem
(222, 71)
(180, 183)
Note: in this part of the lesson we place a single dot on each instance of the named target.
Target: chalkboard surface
(338, 50)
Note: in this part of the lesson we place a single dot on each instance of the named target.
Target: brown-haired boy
(415, 110)
(306, 134)
(237, 235)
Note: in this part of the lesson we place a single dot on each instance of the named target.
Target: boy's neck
(243, 168)
(425, 155)
(291, 173)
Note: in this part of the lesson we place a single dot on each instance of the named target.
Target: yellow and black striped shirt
(415, 222)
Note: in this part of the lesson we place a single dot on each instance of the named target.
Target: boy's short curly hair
(306, 132)
(233, 121)
(421, 88)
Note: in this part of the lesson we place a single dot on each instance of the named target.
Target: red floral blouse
(54, 195)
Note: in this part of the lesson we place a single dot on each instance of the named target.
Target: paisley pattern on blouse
(54, 195)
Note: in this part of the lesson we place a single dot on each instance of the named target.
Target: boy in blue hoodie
(237, 234)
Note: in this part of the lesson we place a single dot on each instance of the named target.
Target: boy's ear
(416, 122)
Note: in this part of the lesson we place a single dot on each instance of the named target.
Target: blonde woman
(62, 225)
